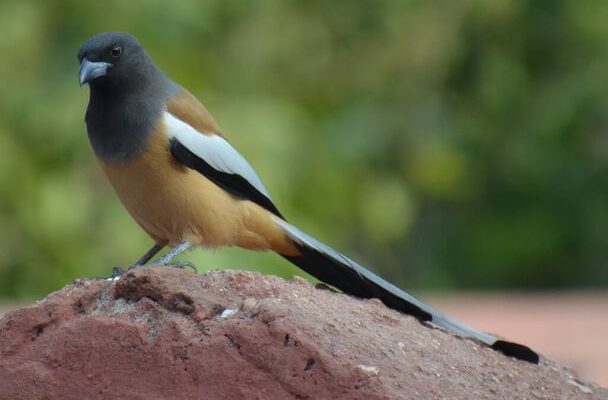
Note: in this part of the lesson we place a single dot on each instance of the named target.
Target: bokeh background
(446, 144)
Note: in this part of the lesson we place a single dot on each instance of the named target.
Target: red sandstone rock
(165, 333)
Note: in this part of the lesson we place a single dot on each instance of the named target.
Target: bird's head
(112, 60)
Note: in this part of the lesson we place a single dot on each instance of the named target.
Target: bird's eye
(116, 51)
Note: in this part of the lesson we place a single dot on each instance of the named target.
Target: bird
(186, 186)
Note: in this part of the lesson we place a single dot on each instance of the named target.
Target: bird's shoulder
(184, 106)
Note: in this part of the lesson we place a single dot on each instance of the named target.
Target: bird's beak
(90, 70)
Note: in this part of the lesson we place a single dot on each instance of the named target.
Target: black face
(112, 58)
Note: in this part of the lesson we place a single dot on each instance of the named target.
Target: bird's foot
(183, 265)
(180, 265)
(117, 272)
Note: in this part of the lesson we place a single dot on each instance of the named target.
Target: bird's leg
(146, 257)
(164, 260)
(177, 250)
(118, 271)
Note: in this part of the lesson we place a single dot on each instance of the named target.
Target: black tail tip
(516, 350)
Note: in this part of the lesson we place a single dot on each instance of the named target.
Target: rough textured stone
(165, 333)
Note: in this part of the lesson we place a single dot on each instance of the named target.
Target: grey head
(128, 94)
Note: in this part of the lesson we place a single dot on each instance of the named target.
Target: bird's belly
(174, 203)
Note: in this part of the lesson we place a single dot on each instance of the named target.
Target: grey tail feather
(331, 267)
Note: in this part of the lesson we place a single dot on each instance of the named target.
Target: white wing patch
(214, 150)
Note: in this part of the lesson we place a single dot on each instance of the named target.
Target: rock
(164, 333)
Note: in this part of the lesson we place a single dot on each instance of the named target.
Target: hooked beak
(90, 70)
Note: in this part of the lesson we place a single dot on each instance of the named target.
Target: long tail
(335, 269)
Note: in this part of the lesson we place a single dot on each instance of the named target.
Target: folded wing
(214, 157)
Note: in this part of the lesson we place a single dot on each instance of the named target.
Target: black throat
(122, 116)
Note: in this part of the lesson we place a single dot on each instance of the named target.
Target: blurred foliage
(446, 144)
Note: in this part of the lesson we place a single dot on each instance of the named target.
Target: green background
(454, 144)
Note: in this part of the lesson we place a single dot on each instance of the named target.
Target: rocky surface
(165, 333)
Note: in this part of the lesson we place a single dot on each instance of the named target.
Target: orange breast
(174, 203)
